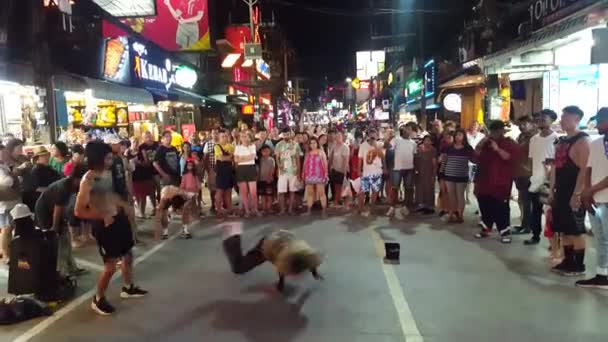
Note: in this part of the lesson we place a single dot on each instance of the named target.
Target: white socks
(232, 229)
(166, 231)
(186, 230)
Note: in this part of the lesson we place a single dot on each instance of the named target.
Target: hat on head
(20, 211)
(111, 139)
(496, 125)
(40, 151)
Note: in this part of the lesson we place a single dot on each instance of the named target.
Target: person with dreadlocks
(289, 255)
(173, 197)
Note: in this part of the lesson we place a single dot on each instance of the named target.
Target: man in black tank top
(567, 181)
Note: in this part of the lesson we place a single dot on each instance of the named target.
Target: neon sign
(147, 67)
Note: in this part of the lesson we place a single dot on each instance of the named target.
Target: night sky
(325, 44)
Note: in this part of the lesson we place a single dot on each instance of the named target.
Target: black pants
(495, 211)
(536, 214)
(239, 263)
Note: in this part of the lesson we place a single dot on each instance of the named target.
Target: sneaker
(521, 231)
(186, 235)
(165, 236)
(391, 212)
(506, 239)
(532, 241)
(561, 267)
(102, 307)
(484, 233)
(598, 282)
(574, 271)
(132, 292)
(405, 211)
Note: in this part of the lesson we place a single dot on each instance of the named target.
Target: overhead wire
(360, 13)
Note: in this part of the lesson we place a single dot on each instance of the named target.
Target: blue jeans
(599, 223)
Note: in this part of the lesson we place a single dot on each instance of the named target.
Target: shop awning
(520, 76)
(464, 81)
(178, 95)
(541, 39)
(18, 73)
(103, 90)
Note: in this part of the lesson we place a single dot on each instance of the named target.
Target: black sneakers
(598, 282)
(185, 235)
(132, 292)
(102, 307)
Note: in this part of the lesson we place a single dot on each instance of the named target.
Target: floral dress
(314, 169)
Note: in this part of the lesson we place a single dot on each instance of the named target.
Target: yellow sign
(390, 78)
(356, 83)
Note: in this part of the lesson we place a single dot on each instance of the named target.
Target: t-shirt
(495, 175)
(404, 153)
(57, 165)
(541, 148)
(219, 150)
(57, 194)
(145, 172)
(119, 177)
(339, 158)
(288, 153)
(267, 166)
(168, 160)
(457, 164)
(244, 151)
(373, 169)
(40, 176)
(365, 147)
(473, 140)
(598, 162)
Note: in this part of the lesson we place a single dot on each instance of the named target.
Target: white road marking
(47, 322)
(406, 318)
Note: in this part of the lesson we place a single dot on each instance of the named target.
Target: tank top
(566, 171)
(314, 171)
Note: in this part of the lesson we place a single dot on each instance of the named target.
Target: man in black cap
(595, 200)
(567, 181)
(495, 157)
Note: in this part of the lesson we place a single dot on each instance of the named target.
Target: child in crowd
(191, 183)
(266, 176)
(77, 157)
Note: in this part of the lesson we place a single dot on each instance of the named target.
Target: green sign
(414, 87)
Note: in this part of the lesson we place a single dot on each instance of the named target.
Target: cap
(20, 211)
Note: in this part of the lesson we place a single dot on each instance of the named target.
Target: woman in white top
(247, 173)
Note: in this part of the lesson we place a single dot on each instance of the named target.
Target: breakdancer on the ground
(172, 197)
(289, 255)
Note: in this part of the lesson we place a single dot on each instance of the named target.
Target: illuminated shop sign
(152, 68)
(414, 86)
(263, 68)
(545, 12)
(115, 65)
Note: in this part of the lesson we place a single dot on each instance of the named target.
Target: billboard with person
(178, 25)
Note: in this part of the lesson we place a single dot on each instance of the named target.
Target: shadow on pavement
(269, 319)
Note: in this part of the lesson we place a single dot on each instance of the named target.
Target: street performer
(289, 255)
(172, 197)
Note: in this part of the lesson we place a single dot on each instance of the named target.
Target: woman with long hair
(457, 158)
(247, 173)
(447, 139)
(314, 174)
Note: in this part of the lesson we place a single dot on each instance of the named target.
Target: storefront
(461, 97)
(414, 88)
(89, 106)
(22, 110)
(558, 65)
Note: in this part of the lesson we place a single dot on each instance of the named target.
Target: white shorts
(288, 183)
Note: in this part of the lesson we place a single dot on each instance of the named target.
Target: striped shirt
(457, 164)
(209, 150)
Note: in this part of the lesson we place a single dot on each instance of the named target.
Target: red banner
(188, 131)
(178, 25)
(237, 35)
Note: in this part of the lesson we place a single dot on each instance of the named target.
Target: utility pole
(256, 105)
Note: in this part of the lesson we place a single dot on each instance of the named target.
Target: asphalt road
(447, 287)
